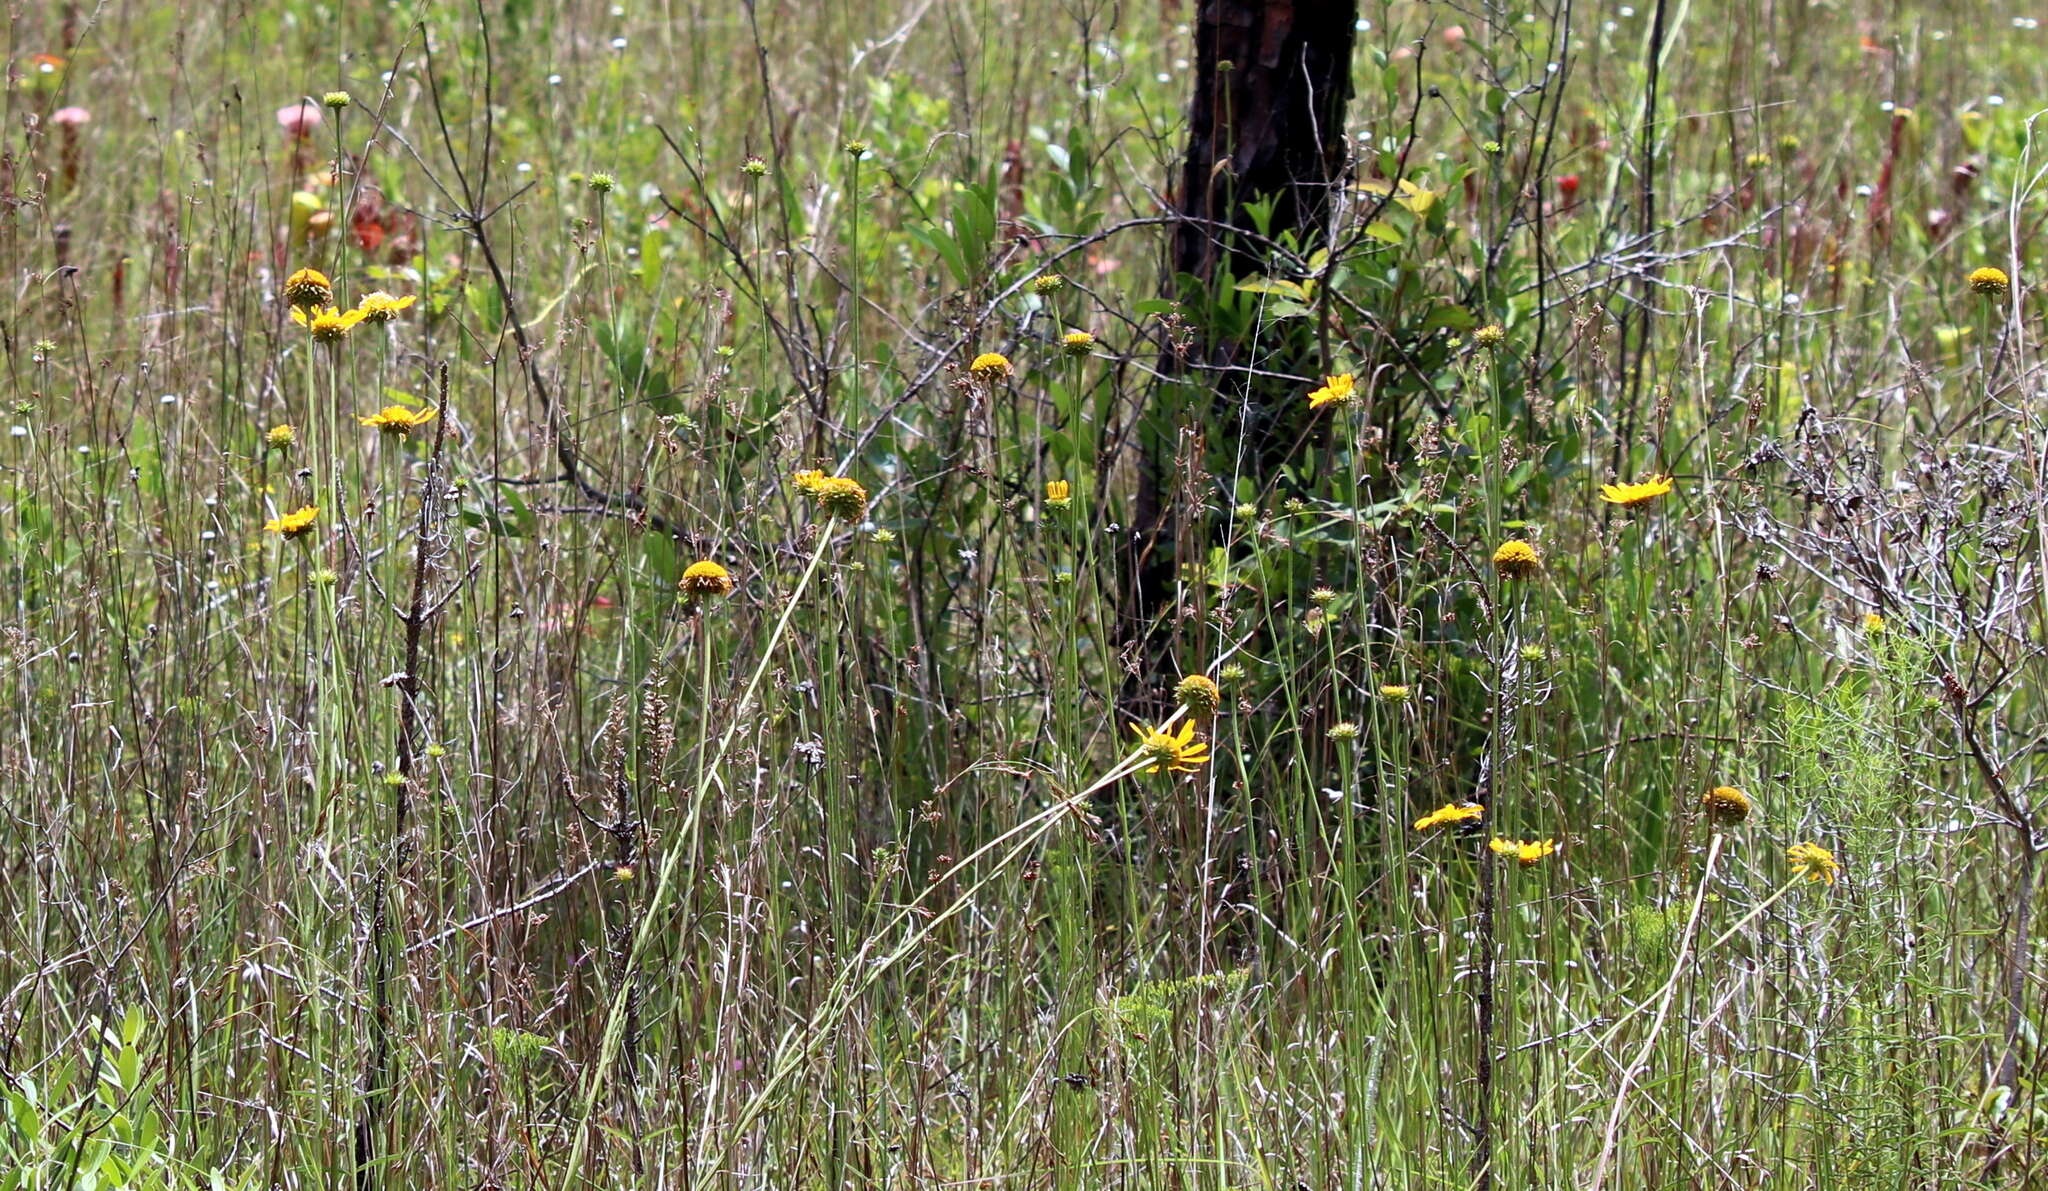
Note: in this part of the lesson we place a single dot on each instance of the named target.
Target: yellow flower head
(807, 481)
(1199, 694)
(329, 325)
(396, 419)
(1394, 690)
(1451, 812)
(839, 497)
(1814, 861)
(308, 288)
(293, 524)
(1490, 336)
(1337, 390)
(380, 307)
(281, 437)
(1077, 343)
(1641, 492)
(706, 579)
(1873, 623)
(1059, 493)
(1517, 559)
(990, 367)
(1726, 805)
(1169, 751)
(1526, 852)
(1989, 280)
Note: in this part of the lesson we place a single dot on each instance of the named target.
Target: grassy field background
(456, 842)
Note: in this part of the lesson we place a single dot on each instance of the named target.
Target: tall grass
(454, 843)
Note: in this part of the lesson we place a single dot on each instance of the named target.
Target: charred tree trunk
(1265, 124)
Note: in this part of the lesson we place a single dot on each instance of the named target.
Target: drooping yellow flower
(840, 497)
(281, 437)
(1526, 852)
(807, 481)
(1337, 390)
(990, 367)
(1059, 493)
(396, 419)
(293, 524)
(1989, 280)
(1726, 805)
(1077, 343)
(1451, 812)
(1814, 862)
(1199, 694)
(706, 579)
(329, 325)
(1517, 559)
(1394, 690)
(1641, 492)
(1170, 751)
(308, 288)
(380, 307)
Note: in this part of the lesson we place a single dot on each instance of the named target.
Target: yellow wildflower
(380, 307)
(293, 524)
(329, 325)
(1338, 390)
(1726, 805)
(308, 288)
(1517, 559)
(1989, 280)
(1059, 493)
(807, 481)
(1451, 812)
(1170, 751)
(1873, 623)
(1814, 862)
(990, 367)
(839, 497)
(1526, 852)
(705, 578)
(281, 437)
(1490, 336)
(1199, 694)
(396, 419)
(1394, 690)
(1641, 492)
(1077, 343)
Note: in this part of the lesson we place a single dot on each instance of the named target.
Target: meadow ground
(392, 800)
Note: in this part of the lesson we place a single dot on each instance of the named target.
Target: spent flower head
(1726, 806)
(1199, 694)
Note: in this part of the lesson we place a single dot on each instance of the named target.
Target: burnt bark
(1265, 124)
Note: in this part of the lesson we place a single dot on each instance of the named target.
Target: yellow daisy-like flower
(1199, 694)
(807, 481)
(293, 524)
(308, 288)
(1451, 812)
(329, 325)
(1490, 336)
(1173, 752)
(990, 366)
(281, 437)
(1526, 852)
(840, 497)
(1517, 559)
(1337, 390)
(1059, 493)
(1394, 690)
(1814, 862)
(705, 578)
(1077, 343)
(1989, 280)
(1641, 492)
(1726, 805)
(1873, 623)
(396, 419)
(380, 307)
